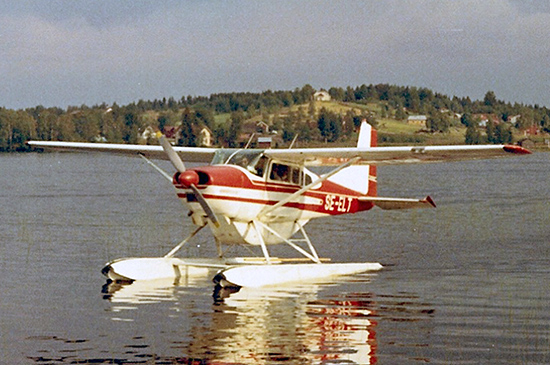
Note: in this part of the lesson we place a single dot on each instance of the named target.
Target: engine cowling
(186, 178)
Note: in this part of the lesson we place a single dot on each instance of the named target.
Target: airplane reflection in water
(154, 291)
(260, 326)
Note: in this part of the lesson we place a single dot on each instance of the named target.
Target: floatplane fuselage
(264, 197)
(245, 195)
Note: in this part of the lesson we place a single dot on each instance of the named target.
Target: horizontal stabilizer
(399, 203)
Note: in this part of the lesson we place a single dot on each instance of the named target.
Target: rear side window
(285, 173)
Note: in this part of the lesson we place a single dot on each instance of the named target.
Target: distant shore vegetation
(303, 116)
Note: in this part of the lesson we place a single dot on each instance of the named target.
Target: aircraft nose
(187, 178)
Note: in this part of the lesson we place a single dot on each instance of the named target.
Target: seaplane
(263, 197)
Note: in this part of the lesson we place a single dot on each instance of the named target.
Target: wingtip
(518, 150)
(430, 201)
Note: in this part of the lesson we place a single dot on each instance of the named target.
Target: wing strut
(262, 242)
(161, 171)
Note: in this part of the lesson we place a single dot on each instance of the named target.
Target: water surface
(466, 283)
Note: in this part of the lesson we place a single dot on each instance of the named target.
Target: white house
(321, 95)
(204, 138)
(417, 120)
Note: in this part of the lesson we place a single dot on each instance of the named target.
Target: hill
(302, 115)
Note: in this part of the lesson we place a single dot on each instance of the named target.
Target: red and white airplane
(263, 197)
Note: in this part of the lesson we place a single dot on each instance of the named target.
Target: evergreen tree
(438, 122)
(490, 99)
(306, 93)
(23, 128)
(234, 130)
(5, 129)
(348, 124)
(131, 127)
(545, 123)
(503, 134)
(205, 116)
(323, 123)
(337, 93)
(490, 130)
(311, 109)
(467, 120)
(330, 125)
(186, 136)
(335, 128)
(86, 124)
(473, 136)
(304, 131)
(288, 128)
(110, 126)
(162, 121)
(400, 113)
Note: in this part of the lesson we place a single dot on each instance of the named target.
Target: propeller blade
(205, 206)
(172, 154)
(180, 167)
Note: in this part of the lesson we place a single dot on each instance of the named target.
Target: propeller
(172, 155)
(188, 178)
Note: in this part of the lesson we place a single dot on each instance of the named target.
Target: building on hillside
(419, 120)
(265, 142)
(147, 135)
(514, 119)
(262, 127)
(204, 136)
(485, 118)
(170, 132)
(531, 131)
(527, 143)
(259, 140)
(321, 95)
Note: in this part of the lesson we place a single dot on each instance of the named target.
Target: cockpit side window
(259, 167)
(308, 179)
(295, 175)
(285, 173)
(279, 172)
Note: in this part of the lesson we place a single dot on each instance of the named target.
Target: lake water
(466, 283)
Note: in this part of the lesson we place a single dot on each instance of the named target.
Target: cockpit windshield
(258, 164)
(252, 160)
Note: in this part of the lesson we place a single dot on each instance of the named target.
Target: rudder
(360, 178)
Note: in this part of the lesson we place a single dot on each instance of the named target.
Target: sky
(73, 52)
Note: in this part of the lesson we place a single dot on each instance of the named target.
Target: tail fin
(360, 178)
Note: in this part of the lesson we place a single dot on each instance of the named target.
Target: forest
(289, 114)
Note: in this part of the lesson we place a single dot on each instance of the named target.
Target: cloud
(89, 52)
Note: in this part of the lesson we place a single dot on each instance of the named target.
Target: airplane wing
(188, 154)
(393, 155)
(307, 156)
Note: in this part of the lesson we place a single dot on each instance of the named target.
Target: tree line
(125, 124)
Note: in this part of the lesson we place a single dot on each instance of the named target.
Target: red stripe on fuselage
(309, 207)
(331, 204)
